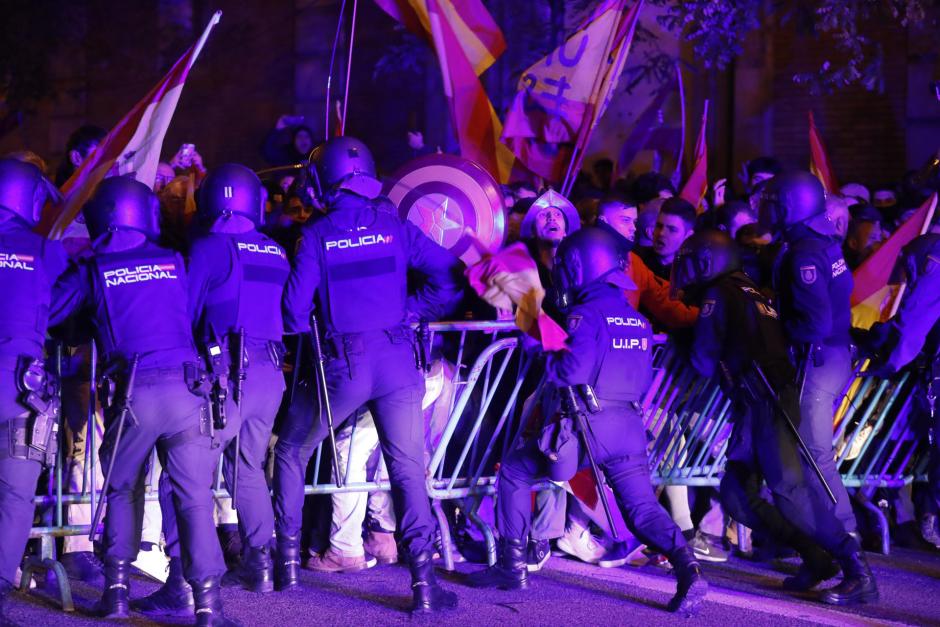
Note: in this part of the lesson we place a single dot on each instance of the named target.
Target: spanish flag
(819, 163)
(697, 183)
(132, 147)
(467, 41)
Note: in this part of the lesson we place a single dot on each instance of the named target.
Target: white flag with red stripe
(132, 147)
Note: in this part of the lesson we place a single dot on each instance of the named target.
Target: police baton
(573, 409)
(807, 455)
(239, 374)
(125, 407)
(321, 384)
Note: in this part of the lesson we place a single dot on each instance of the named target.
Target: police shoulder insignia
(708, 307)
(573, 323)
(808, 274)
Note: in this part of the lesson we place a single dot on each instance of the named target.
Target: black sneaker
(537, 553)
(83, 566)
(707, 550)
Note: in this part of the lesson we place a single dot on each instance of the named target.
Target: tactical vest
(250, 298)
(25, 287)
(364, 274)
(624, 367)
(141, 301)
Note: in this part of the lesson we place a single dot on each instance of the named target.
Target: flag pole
(586, 130)
(352, 41)
(329, 74)
(677, 174)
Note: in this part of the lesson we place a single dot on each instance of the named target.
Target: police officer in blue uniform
(236, 280)
(353, 265)
(137, 296)
(913, 332)
(609, 349)
(812, 284)
(736, 329)
(29, 265)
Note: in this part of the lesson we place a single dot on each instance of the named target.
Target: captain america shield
(453, 201)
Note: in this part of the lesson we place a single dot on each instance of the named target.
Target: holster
(36, 436)
(113, 393)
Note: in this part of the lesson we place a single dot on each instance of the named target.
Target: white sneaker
(153, 563)
(578, 542)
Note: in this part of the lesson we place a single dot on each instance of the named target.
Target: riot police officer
(911, 332)
(739, 335)
(610, 350)
(354, 265)
(812, 284)
(29, 265)
(236, 279)
(136, 294)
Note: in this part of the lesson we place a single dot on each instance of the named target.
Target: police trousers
(167, 416)
(17, 484)
(763, 448)
(618, 441)
(821, 389)
(379, 372)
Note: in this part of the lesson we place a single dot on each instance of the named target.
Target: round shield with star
(453, 201)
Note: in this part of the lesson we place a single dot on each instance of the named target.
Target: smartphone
(186, 152)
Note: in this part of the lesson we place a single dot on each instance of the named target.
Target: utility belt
(349, 346)
(36, 436)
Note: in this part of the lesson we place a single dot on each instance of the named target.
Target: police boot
(510, 572)
(114, 601)
(858, 583)
(256, 571)
(287, 565)
(209, 604)
(174, 598)
(817, 566)
(691, 586)
(428, 596)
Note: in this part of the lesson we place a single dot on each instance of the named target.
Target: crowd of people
(235, 275)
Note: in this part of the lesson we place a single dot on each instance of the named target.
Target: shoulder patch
(573, 323)
(708, 307)
(808, 274)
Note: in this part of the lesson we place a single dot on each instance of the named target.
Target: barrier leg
(487, 534)
(45, 561)
(447, 546)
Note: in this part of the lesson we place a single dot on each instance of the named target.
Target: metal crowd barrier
(688, 420)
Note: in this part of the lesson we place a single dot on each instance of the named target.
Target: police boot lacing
(858, 584)
(114, 601)
(287, 565)
(427, 595)
(174, 598)
(256, 571)
(209, 604)
(691, 586)
(510, 571)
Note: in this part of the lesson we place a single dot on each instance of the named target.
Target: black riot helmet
(793, 198)
(586, 256)
(344, 163)
(921, 256)
(24, 190)
(121, 203)
(703, 257)
(231, 189)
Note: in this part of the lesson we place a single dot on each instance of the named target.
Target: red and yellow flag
(560, 98)
(697, 183)
(132, 147)
(467, 41)
(819, 163)
(871, 294)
